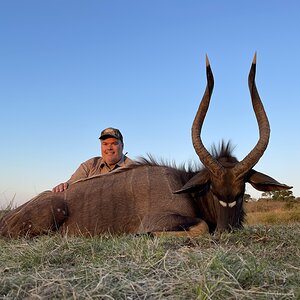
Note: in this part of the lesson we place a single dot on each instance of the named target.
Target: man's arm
(81, 172)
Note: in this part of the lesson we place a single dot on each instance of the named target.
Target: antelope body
(149, 197)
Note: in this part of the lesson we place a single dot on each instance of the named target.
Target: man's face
(111, 149)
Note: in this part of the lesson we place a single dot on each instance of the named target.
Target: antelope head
(223, 179)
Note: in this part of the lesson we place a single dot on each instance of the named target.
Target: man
(112, 158)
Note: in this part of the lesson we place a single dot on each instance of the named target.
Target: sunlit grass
(258, 262)
(272, 212)
(255, 263)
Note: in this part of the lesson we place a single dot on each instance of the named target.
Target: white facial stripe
(225, 204)
(232, 204)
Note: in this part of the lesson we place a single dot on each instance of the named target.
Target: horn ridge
(206, 158)
(263, 124)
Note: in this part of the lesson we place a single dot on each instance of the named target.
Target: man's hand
(60, 188)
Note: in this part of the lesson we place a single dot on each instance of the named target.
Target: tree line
(284, 195)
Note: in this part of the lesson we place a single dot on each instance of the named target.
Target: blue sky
(68, 69)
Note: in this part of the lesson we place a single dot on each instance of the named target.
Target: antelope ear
(196, 183)
(265, 183)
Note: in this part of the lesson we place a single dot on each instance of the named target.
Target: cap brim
(105, 136)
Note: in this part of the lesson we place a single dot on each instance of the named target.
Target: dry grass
(259, 262)
(255, 263)
(272, 212)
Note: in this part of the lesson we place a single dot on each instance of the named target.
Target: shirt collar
(118, 164)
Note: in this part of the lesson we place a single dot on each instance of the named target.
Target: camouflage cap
(111, 132)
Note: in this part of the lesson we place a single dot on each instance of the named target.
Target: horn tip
(254, 59)
(207, 60)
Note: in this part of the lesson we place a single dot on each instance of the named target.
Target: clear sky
(70, 68)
